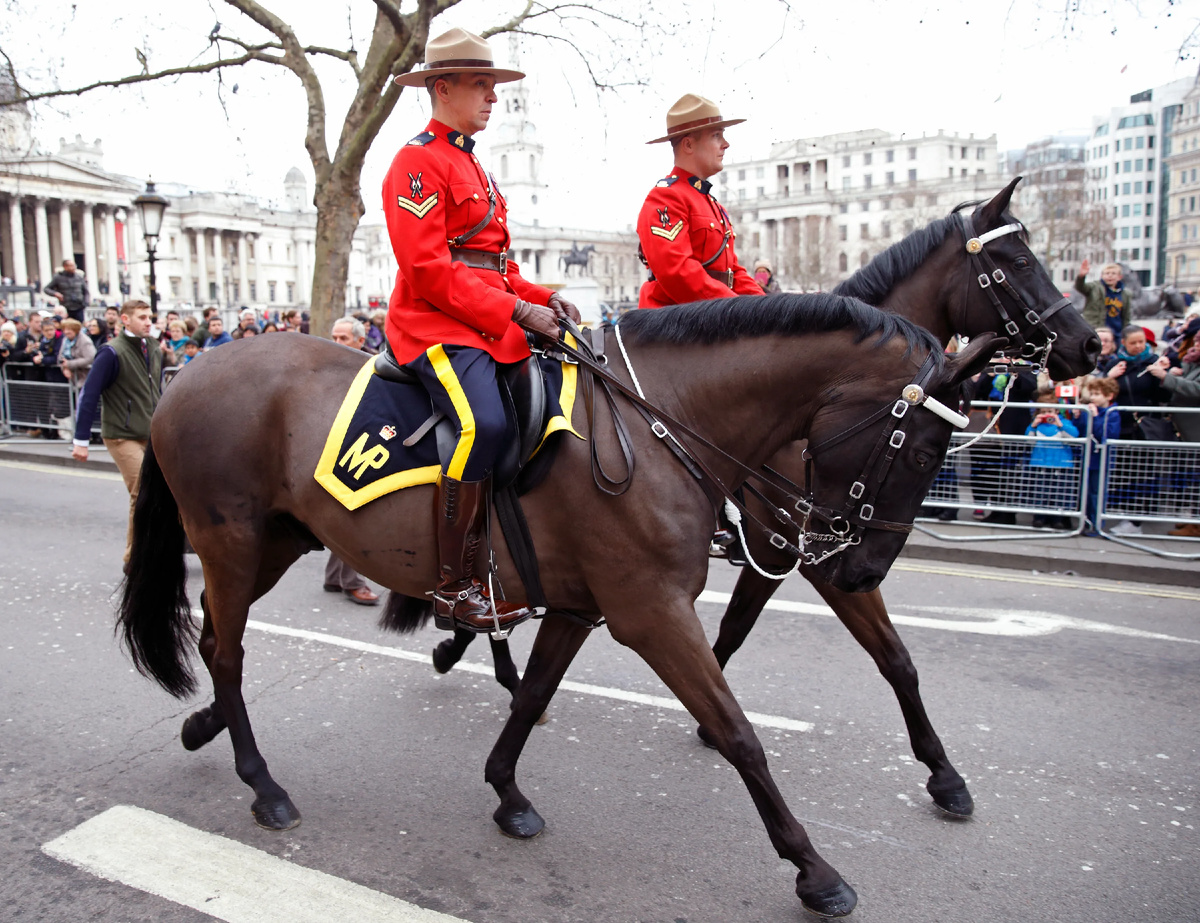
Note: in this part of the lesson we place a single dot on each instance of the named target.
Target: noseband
(991, 277)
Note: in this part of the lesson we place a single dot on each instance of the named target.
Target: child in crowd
(191, 349)
(1050, 461)
(1101, 395)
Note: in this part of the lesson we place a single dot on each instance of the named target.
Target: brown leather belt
(722, 275)
(480, 259)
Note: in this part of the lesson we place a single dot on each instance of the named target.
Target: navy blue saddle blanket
(365, 456)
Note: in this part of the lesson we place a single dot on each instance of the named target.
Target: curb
(61, 461)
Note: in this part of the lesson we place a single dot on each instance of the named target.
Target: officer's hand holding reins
(538, 318)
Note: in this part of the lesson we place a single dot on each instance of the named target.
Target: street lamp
(151, 207)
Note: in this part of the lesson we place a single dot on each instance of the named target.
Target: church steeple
(516, 154)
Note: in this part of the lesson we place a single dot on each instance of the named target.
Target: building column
(218, 260)
(66, 240)
(303, 274)
(42, 229)
(202, 265)
(88, 219)
(260, 292)
(111, 272)
(243, 277)
(185, 271)
(16, 223)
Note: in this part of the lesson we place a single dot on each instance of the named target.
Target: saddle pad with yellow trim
(365, 456)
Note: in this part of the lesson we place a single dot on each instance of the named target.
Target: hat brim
(418, 78)
(680, 132)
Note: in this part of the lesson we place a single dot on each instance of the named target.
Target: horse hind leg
(235, 576)
(450, 651)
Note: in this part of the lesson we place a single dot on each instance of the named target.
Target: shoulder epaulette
(423, 138)
(667, 181)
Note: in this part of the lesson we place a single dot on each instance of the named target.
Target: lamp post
(151, 207)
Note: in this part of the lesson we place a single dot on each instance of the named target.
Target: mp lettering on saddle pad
(365, 457)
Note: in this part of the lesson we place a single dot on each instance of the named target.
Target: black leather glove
(564, 308)
(537, 318)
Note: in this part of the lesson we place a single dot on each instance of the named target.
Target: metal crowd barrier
(999, 476)
(31, 403)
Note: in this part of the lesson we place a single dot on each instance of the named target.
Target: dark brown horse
(931, 279)
(752, 375)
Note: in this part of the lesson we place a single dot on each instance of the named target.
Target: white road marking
(62, 469)
(606, 692)
(1011, 623)
(1113, 586)
(222, 878)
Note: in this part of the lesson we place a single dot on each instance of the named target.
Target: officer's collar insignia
(461, 141)
(664, 217)
(423, 138)
(415, 186)
(388, 432)
(667, 181)
(702, 186)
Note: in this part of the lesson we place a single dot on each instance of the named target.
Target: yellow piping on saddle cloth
(362, 457)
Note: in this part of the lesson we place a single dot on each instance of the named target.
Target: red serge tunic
(434, 190)
(680, 226)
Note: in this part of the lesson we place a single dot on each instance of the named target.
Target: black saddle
(523, 390)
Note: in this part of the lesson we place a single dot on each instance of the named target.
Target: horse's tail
(155, 619)
(405, 614)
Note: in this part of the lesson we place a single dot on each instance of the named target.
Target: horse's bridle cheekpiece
(989, 277)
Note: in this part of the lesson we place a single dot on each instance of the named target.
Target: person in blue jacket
(1106, 425)
(1051, 461)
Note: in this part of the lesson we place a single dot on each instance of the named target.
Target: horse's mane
(899, 261)
(785, 314)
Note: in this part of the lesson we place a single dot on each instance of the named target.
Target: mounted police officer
(456, 306)
(685, 235)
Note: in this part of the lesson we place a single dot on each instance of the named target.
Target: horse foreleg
(675, 648)
(558, 641)
(865, 615)
(226, 602)
(750, 595)
(450, 651)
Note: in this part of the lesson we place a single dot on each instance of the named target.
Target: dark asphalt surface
(1073, 720)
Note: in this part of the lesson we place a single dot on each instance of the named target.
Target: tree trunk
(339, 208)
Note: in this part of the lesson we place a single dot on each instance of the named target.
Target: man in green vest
(128, 373)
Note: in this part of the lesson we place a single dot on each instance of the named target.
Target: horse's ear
(990, 212)
(974, 357)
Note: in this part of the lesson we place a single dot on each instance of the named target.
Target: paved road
(1069, 705)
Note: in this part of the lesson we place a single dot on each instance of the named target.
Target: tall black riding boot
(461, 599)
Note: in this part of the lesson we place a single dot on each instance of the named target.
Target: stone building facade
(1181, 154)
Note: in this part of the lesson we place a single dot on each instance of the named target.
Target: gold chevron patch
(419, 210)
(671, 234)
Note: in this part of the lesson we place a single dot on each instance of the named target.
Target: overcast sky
(1020, 69)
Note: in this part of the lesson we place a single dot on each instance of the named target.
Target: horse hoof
(706, 737)
(954, 801)
(275, 815)
(545, 716)
(441, 660)
(198, 729)
(520, 825)
(837, 900)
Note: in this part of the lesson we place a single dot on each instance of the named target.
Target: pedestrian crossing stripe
(419, 210)
(671, 234)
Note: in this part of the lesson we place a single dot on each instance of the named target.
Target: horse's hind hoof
(954, 801)
(706, 737)
(199, 728)
(520, 825)
(838, 900)
(275, 815)
(543, 718)
(441, 659)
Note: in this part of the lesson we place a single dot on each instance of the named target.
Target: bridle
(991, 278)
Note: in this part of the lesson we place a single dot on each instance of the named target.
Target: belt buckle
(729, 277)
(503, 262)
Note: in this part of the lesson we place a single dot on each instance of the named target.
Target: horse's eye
(922, 459)
(1021, 263)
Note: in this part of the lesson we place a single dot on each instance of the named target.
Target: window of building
(1193, 174)
(1128, 165)
(912, 153)
(963, 173)
(1116, 212)
(1137, 209)
(1139, 141)
(864, 258)
(195, 290)
(1135, 232)
(890, 178)
(291, 292)
(1125, 189)
(254, 291)
(1149, 163)
(889, 156)
(843, 262)
(931, 199)
(1147, 256)
(864, 205)
(759, 191)
(864, 231)
(1137, 187)
(741, 195)
(741, 176)
(980, 153)
(950, 172)
(846, 160)
(912, 176)
(1149, 187)
(175, 284)
(1125, 254)
(962, 154)
(885, 229)
(843, 207)
(1117, 167)
(1149, 209)
(212, 291)
(841, 232)
(866, 181)
(867, 159)
(1150, 141)
(845, 184)
(1125, 233)
(1124, 211)
(759, 172)
(1147, 233)
(980, 173)
(908, 226)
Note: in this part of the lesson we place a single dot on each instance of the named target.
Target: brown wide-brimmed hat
(456, 52)
(693, 113)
